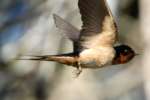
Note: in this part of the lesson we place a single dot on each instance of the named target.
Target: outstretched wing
(69, 30)
(99, 28)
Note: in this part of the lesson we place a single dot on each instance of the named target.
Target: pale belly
(96, 58)
(90, 64)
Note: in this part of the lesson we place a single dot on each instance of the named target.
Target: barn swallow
(93, 45)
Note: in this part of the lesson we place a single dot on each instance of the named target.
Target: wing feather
(99, 27)
(69, 30)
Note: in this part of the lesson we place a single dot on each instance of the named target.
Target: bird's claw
(78, 70)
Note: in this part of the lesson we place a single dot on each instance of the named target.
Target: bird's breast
(96, 57)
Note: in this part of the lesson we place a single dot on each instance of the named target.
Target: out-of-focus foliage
(130, 8)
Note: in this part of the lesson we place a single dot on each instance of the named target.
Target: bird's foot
(78, 71)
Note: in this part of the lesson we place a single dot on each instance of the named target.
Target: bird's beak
(137, 54)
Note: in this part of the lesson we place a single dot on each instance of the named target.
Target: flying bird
(93, 45)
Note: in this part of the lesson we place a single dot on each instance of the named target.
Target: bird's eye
(126, 51)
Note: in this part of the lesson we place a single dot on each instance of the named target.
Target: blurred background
(27, 28)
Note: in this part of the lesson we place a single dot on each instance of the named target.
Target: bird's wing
(99, 27)
(69, 30)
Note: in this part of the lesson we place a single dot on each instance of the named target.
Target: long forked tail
(63, 59)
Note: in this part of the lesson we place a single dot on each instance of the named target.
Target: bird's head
(123, 54)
